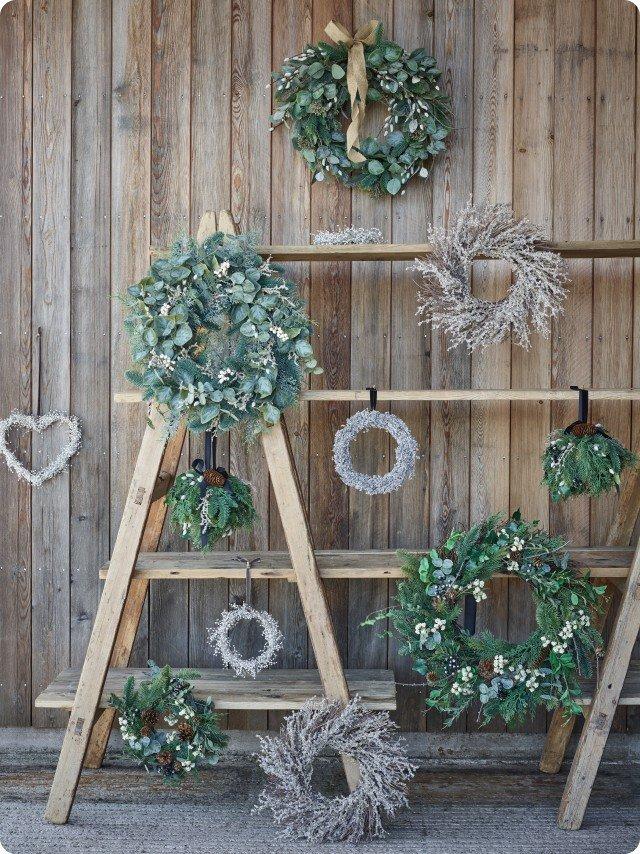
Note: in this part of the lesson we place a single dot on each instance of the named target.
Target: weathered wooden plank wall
(123, 121)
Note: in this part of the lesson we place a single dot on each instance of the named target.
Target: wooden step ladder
(134, 563)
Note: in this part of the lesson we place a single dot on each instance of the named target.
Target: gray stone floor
(472, 794)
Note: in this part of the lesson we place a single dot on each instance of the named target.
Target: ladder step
(602, 562)
(272, 689)
(630, 695)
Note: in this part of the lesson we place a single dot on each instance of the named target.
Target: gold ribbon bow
(356, 77)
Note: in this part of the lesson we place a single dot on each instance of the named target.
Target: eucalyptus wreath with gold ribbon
(328, 85)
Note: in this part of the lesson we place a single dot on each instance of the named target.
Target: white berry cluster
(161, 361)
(517, 545)
(423, 631)
(533, 681)
(477, 590)
(499, 664)
(460, 687)
(279, 332)
(222, 270)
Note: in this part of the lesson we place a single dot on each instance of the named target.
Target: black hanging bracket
(373, 397)
(583, 403)
(248, 564)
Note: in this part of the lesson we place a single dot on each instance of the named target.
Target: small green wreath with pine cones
(193, 737)
(311, 94)
(509, 680)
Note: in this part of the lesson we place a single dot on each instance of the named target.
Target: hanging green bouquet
(205, 508)
(583, 459)
(509, 680)
(165, 728)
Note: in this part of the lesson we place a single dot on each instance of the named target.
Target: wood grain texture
(492, 183)
(15, 358)
(51, 300)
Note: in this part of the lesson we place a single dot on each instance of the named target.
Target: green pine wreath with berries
(510, 680)
(219, 336)
(165, 728)
(312, 97)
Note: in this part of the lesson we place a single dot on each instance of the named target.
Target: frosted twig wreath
(444, 293)
(31, 422)
(219, 638)
(287, 760)
(348, 237)
(405, 455)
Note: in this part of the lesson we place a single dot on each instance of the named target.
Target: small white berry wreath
(219, 639)
(288, 759)
(444, 293)
(40, 424)
(406, 452)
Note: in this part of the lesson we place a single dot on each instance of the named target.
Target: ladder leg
(298, 535)
(105, 627)
(605, 700)
(137, 592)
(561, 726)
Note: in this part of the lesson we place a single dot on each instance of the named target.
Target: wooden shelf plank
(602, 562)
(630, 695)
(271, 689)
(410, 251)
(471, 394)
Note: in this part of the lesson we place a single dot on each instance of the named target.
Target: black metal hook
(583, 403)
(373, 397)
(248, 563)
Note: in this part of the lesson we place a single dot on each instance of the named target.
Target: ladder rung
(271, 689)
(602, 562)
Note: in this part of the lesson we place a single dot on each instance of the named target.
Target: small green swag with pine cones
(510, 680)
(191, 737)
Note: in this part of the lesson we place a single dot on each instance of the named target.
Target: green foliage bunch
(509, 680)
(219, 336)
(311, 94)
(584, 460)
(191, 738)
(214, 514)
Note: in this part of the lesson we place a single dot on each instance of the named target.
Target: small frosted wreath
(219, 639)
(40, 424)
(444, 293)
(406, 452)
(348, 237)
(288, 759)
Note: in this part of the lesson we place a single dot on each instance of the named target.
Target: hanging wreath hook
(583, 403)
(373, 397)
(248, 564)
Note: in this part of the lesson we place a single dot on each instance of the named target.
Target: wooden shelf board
(602, 562)
(271, 689)
(630, 695)
(434, 395)
(410, 251)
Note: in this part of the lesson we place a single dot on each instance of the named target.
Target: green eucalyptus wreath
(509, 679)
(220, 335)
(311, 93)
(205, 514)
(165, 728)
(584, 460)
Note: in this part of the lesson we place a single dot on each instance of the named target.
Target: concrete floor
(472, 794)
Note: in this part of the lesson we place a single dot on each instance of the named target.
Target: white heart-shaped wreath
(30, 422)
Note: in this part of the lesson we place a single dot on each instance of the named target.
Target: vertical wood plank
(410, 368)
(251, 210)
(452, 185)
(210, 191)
(51, 312)
(633, 714)
(130, 188)
(15, 357)
(290, 220)
(491, 368)
(330, 303)
(170, 173)
(532, 198)
(614, 210)
(90, 306)
(370, 366)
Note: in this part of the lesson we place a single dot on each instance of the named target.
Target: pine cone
(177, 767)
(432, 677)
(150, 718)
(212, 477)
(165, 758)
(451, 596)
(485, 668)
(185, 731)
(584, 428)
(438, 603)
(146, 731)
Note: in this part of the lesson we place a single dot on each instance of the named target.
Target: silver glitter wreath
(348, 236)
(405, 455)
(288, 759)
(219, 638)
(444, 293)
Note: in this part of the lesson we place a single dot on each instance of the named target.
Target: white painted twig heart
(30, 422)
